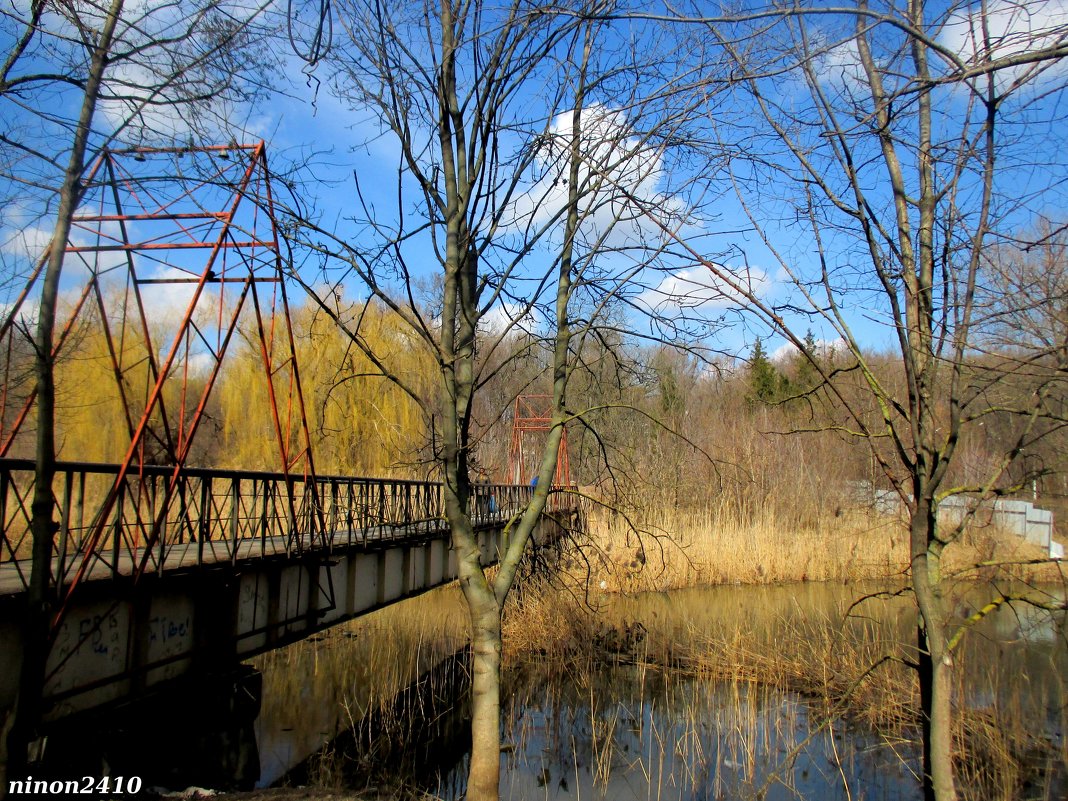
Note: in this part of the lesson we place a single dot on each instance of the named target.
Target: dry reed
(342, 678)
(671, 550)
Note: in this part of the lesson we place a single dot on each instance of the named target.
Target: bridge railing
(165, 519)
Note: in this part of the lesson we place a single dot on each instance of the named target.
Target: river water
(614, 720)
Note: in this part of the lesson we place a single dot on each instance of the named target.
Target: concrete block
(292, 598)
(363, 581)
(1011, 516)
(416, 568)
(92, 645)
(333, 584)
(169, 633)
(391, 575)
(1012, 506)
(436, 558)
(886, 502)
(253, 611)
(1039, 527)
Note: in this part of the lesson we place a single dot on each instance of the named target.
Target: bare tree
(880, 151)
(1025, 298)
(529, 147)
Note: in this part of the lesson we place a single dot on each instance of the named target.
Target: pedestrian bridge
(172, 573)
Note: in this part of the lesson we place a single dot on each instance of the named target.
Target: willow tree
(888, 148)
(519, 134)
(363, 423)
(76, 78)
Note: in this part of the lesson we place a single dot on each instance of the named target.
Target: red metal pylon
(531, 420)
(195, 227)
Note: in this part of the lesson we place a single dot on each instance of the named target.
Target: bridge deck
(308, 553)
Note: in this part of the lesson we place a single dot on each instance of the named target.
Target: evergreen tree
(766, 385)
(805, 374)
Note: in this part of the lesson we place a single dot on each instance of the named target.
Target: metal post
(205, 516)
(64, 521)
(235, 509)
(120, 492)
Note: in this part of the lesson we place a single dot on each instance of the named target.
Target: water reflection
(609, 725)
(332, 682)
(625, 732)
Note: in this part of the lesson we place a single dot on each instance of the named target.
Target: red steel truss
(191, 231)
(531, 420)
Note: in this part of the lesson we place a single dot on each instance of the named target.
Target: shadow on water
(414, 742)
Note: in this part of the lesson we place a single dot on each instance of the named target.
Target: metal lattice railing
(115, 524)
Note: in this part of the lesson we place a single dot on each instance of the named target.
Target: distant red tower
(531, 420)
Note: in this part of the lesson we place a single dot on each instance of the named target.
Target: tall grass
(669, 549)
(740, 644)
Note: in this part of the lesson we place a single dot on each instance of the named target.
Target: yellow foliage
(92, 422)
(361, 422)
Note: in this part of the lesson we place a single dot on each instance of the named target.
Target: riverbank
(843, 649)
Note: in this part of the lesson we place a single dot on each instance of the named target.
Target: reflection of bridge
(233, 564)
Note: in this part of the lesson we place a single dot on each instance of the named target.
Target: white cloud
(619, 177)
(505, 316)
(200, 364)
(26, 317)
(29, 242)
(841, 66)
(140, 100)
(825, 349)
(1013, 27)
(699, 288)
(167, 303)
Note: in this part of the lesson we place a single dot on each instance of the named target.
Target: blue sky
(1014, 26)
(342, 142)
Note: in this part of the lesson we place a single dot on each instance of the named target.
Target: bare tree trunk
(936, 688)
(43, 525)
(484, 771)
(935, 664)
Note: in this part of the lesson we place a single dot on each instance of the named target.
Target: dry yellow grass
(688, 549)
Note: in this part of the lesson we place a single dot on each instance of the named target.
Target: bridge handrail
(162, 519)
(108, 468)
